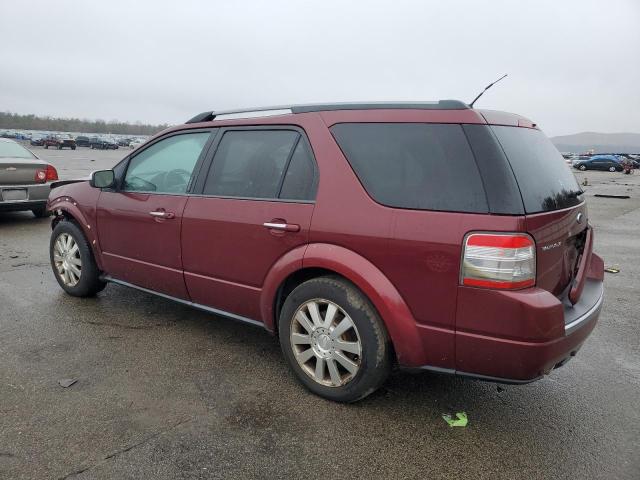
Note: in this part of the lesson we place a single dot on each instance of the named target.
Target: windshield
(14, 150)
(545, 180)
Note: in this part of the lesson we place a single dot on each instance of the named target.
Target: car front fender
(66, 207)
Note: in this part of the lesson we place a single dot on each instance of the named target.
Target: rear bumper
(518, 337)
(36, 196)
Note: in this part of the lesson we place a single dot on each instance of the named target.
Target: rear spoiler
(66, 182)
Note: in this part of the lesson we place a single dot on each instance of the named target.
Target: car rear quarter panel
(416, 252)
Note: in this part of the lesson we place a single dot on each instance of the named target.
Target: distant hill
(600, 142)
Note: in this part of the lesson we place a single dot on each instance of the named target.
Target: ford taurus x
(426, 235)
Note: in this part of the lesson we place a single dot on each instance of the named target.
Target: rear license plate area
(13, 194)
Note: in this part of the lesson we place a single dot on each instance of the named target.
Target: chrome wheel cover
(66, 258)
(326, 343)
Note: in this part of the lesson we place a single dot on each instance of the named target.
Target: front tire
(583, 167)
(612, 169)
(334, 340)
(72, 261)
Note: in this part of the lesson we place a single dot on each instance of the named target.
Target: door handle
(162, 214)
(284, 227)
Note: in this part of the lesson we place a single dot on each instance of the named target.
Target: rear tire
(612, 169)
(72, 261)
(343, 354)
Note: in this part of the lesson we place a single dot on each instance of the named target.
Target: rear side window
(414, 165)
(299, 181)
(545, 180)
(252, 164)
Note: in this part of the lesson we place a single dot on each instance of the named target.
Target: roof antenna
(485, 89)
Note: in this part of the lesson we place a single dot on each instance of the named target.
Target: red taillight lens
(51, 174)
(48, 174)
(499, 260)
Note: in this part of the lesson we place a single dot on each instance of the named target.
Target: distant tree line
(33, 122)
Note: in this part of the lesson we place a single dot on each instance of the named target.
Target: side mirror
(102, 179)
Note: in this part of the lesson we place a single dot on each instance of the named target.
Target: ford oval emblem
(579, 218)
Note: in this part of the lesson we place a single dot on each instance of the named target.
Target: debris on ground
(601, 195)
(460, 421)
(67, 382)
(612, 269)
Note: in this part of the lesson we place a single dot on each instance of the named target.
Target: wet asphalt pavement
(167, 392)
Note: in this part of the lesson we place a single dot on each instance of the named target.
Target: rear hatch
(20, 171)
(555, 211)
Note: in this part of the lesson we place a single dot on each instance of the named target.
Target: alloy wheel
(66, 257)
(326, 343)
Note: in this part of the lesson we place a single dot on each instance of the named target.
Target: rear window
(14, 150)
(545, 180)
(414, 165)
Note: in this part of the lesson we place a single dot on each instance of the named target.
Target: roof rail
(439, 105)
(202, 117)
(284, 110)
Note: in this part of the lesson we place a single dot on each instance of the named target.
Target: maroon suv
(430, 235)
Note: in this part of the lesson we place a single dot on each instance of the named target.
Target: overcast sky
(573, 65)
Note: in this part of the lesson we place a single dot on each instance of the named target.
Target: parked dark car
(102, 144)
(83, 141)
(59, 142)
(124, 142)
(430, 235)
(629, 158)
(599, 162)
(25, 180)
(37, 140)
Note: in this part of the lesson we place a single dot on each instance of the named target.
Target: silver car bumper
(23, 197)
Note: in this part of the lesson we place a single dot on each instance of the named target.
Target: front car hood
(60, 183)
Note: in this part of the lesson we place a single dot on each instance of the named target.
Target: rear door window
(414, 165)
(299, 181)
(251, 163)
(545, 180)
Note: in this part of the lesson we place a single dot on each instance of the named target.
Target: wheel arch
(67, 209)
(326, 259)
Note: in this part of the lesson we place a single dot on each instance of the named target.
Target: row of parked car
(61, 141)
(605, 162)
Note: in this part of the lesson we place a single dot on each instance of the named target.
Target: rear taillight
(499, 260)
(51, 174)
(48, 174)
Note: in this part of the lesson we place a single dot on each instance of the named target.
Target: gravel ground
(167, 392)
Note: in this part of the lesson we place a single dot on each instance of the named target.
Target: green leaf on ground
(460, 421)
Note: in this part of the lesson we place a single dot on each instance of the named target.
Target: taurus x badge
(11, 169)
